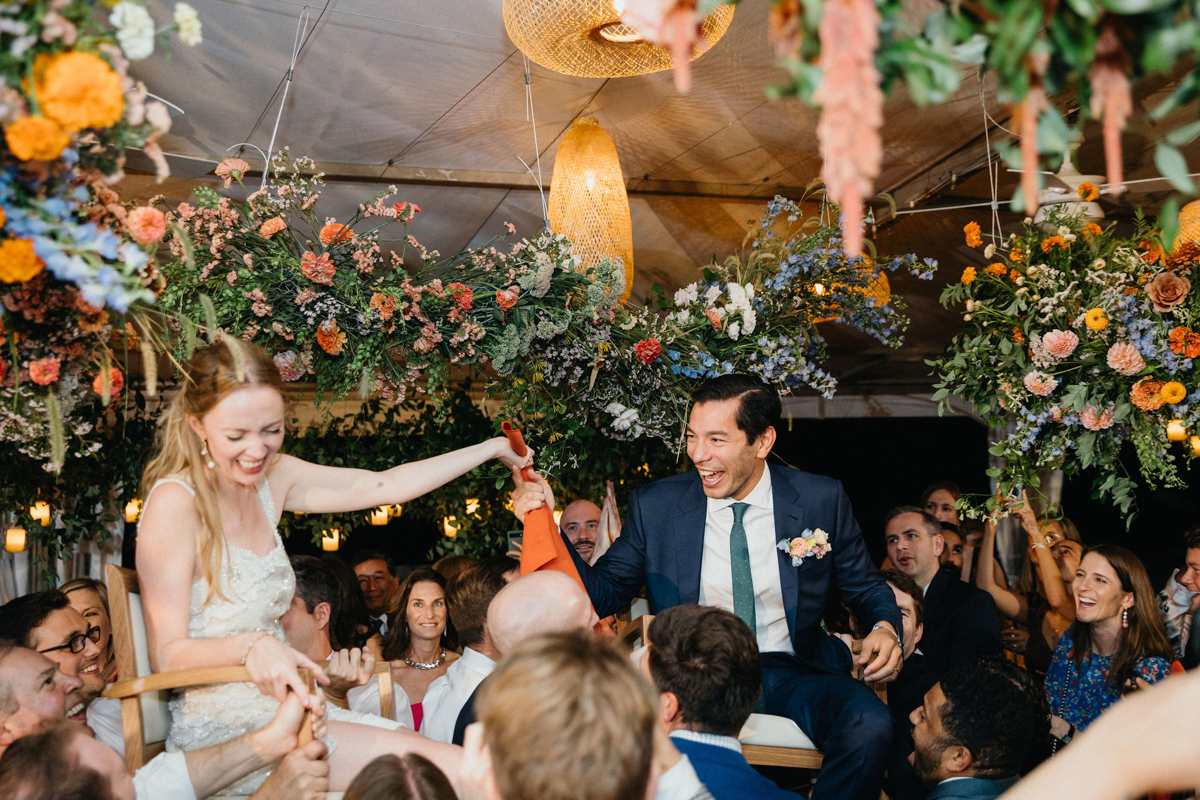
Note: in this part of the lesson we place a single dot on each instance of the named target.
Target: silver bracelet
(879, 626)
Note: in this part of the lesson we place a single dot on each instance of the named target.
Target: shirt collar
(759, 496)
(726, 742)
(473, 659)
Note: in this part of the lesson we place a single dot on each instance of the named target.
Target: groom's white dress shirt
(448, 694)
(716, 570)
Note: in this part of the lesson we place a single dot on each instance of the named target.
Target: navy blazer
(726, 773)
(662, 546)
(972, 788)
(961, 624)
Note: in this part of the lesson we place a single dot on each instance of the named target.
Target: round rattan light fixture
(587, 198)
(586, 38)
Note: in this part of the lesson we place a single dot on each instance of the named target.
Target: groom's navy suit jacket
(662, 546)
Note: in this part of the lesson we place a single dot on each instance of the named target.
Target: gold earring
(204, 452)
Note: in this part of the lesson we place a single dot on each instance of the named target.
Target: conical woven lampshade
(1189, 224)
(587, 198)
(585, 38)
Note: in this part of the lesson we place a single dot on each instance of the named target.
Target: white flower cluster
(1039, 355)
(188, 22)
(136, 30)
(1059, 304)
(626, 419)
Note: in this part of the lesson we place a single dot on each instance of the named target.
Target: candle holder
(1176, 431)
(41, 512)
(133, 510)
(379, 516)
(331, 540)
(14, 540)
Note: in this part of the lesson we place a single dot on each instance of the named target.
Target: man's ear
(939, 544)
(668, 708)
(321, 614)
(918, 633)
(766, 441)
(957, 758)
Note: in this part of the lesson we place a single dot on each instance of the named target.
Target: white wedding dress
(258, 590)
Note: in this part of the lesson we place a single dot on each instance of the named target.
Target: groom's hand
(882, 654)
(530, 495)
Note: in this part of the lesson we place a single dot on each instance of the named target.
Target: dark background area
(885, 462)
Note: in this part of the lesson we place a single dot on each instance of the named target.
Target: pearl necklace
(419, 665)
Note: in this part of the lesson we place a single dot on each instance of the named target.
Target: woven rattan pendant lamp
(587, 198)
(585, 38)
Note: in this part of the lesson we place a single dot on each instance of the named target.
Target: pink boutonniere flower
(808, 544)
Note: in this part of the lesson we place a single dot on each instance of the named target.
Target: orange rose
(18, 262)
(1167, 290)
(36, 139)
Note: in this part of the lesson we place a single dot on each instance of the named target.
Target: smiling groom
(713, 537)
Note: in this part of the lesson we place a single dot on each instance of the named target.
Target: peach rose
(1095, 420)
(1060, 344)
(1167, 290)
(1125, 359)
(44, 371)
(1040, 383)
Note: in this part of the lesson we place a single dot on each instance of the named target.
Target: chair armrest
(177, 679)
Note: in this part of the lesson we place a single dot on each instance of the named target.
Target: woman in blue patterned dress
(1116, 645)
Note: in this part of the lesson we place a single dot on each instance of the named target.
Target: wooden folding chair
(145, 717)
(387, 692)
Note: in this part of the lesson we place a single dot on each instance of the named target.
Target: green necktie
(739, 560)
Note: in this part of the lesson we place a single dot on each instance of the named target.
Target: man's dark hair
(41, 766)
(349, 626)
(375, 555)
(994, 709)
(708, 658)
(909, 587)
(19, 617)
(315, 583)
(1191, 539)
(932, 526)
(470, 592)
(759, 407)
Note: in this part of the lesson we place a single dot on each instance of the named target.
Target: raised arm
(1053, 588)
(315, 489)
(167, 553)
(1010, 604)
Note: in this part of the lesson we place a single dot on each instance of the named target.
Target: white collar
(760, 495)
(716, 740)
(473, 659)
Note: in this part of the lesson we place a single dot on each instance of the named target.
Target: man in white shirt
(468, 597)
(306, 625)
(38, 694)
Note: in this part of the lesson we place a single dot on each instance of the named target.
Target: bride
(215, 579)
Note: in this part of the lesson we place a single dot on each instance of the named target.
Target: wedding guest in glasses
(46, 622)
(89, 597)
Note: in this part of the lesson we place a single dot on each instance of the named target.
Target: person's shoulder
(665, 488)
(1153, 668)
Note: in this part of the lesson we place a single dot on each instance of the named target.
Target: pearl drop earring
(1125, 618)
(204, 452)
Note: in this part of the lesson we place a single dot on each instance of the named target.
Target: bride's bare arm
(315, 489)
(167, 549)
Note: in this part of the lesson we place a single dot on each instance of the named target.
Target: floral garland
(71, 254)
(1087, 342)
(320, 296)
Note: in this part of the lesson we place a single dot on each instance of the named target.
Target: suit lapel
(788, 518)
(689, 542)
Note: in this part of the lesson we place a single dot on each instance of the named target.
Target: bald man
(580, 523)
(541, 602)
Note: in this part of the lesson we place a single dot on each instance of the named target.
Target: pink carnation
(1060, 344)
(1040, 383)
(1095, 420)
(146, 225)
(289, 366)
(1125, 359)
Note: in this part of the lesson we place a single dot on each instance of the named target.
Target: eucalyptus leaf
(1173, 166)
(973, 51)
(1052, 132)
(1183, 134)
(1136, 6)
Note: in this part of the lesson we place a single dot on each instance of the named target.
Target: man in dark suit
(704, 661)
(711, 537)
(961, 623)
(975, 729)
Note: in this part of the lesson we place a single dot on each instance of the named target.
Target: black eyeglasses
(77, 641)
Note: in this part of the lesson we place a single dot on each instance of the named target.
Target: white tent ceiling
(430, 95)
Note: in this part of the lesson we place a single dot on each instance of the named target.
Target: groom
(710, 537)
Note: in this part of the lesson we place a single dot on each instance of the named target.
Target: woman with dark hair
(350, 627)
(1117, 643)
(421, 641)
(409, 777)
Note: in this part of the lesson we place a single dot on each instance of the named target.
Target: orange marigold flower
(1017, 335)
(272, 226)
(968, 275)
(36, 139)
(647, 351)
(331, 338)
(996, 269)
(1012, 276)
(1184, 342)
(18, 262)
(335, 233)
(1146, 394)
(1088, 191)
(384, 304)
(1017, 255)
(1153, 253)
(44, 371)
(78, 90)
(1092, 230)
(971, 229)
(1052, 242)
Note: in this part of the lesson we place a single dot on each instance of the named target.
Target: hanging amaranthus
(1026, 122)
(851, 109)
(1112, 101)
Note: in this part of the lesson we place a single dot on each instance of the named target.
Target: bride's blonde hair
(211, 375)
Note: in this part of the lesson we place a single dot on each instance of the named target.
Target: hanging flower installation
(320, 295)
(1081, 341)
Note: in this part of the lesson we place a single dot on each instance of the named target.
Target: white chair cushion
(767, 730)
(156, 715)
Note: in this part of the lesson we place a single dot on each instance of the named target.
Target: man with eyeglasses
(46, 622)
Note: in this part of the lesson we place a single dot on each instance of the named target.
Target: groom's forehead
(714, 416)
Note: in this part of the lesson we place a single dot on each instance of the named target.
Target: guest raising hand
(1117, 643)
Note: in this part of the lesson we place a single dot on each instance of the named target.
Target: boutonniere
(807, 544)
